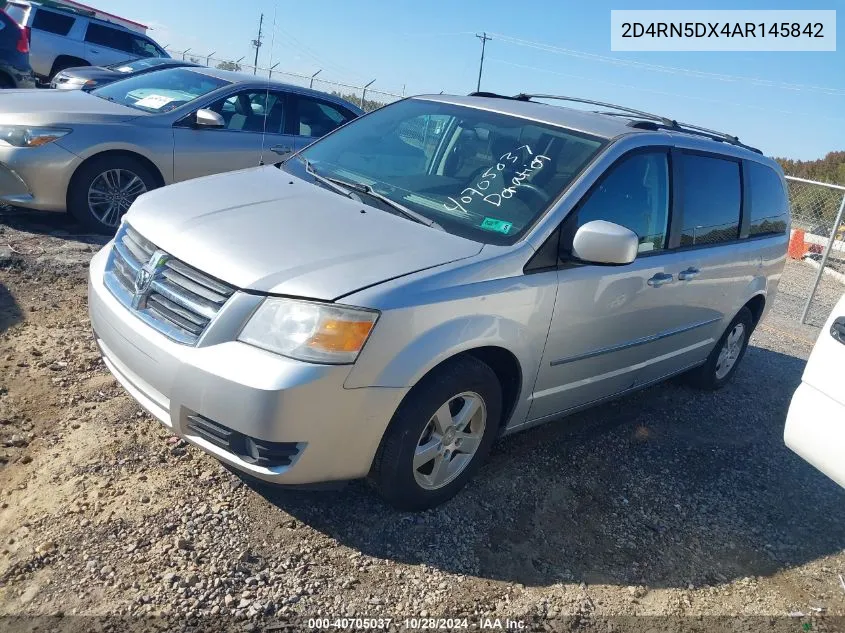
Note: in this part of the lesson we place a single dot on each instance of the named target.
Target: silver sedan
(94, 153)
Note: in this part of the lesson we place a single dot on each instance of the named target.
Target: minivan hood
(263, 229)
(46, 107)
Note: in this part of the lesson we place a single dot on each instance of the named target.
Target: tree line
(830, 169)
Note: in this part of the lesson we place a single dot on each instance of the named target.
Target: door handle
(689, 273)
(837, 330)
(281, 149)
(659, 279)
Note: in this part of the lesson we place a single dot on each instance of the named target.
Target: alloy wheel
(731, 349)
(112, 193)
(449, 440)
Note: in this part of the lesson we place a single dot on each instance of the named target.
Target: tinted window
(769, 204)
(143, 47)
(635, 194)
(317, 118)
(711, 196)
(483, 175)
(245, 111)
(104, 36)
(52, 22)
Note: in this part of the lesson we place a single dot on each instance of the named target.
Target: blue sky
(787, 104)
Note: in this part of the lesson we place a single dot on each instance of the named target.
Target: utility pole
(483, 37)
(257, 44)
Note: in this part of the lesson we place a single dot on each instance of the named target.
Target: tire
(132, 179)
(6, 82)
(470, 385)
(712, 375)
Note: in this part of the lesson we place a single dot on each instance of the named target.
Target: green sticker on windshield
(500, 226)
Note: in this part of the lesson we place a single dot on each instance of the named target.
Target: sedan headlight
(23, 136)
(309, 331)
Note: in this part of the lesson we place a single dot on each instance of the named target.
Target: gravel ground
(661, 511)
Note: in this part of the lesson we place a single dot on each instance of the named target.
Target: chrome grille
(176, 299)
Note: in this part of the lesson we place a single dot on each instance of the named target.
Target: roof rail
(653, 121)
(626, 110)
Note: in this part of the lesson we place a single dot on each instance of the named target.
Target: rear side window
(57, 23)
(711, 198)
(769, 204)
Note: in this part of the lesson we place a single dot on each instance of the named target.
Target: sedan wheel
(112, 193)
(104, 188)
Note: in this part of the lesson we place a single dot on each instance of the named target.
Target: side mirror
(602, 242)
(209, 118)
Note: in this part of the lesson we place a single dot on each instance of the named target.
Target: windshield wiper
(335, 185)
(401, 208)
(349, 189)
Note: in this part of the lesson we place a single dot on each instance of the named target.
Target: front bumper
(815, 429)
(36, 177)
(248, 390)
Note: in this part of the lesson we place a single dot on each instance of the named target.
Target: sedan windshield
(480, 174)
(160, 91)
(133, 65)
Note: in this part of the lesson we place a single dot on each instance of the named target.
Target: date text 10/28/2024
(417, 624)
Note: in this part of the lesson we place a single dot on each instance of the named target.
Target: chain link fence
(365, 97)
(818, 238)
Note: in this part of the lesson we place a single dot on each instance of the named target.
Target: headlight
(309, 331)
(22, 136)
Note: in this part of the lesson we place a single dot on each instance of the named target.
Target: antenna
(267, 91)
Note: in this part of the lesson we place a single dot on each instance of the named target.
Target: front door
(203, 151)
(613, 325)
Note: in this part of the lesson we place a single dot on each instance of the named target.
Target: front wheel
(439, 436)
(103, 189)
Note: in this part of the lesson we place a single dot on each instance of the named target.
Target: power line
(667, 69)
(299, 47)
(483, 37)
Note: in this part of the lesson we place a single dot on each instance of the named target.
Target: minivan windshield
(483, 175)
(161, 91)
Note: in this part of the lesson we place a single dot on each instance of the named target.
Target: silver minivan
(387, 302)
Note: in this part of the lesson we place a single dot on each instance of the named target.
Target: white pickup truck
(62, 38)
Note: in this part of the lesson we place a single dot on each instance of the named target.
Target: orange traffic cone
(797, 247)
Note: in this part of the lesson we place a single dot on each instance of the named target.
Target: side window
(769, 205)
(142, 47)
(244, 111)
(51, 22)
(104, 36)
(634, 194)
(316, 118)
(712, 198)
